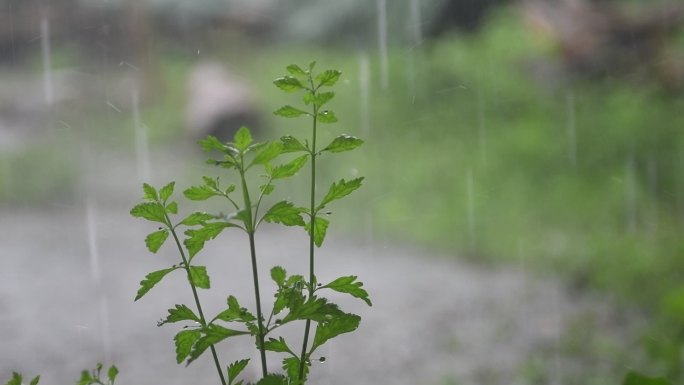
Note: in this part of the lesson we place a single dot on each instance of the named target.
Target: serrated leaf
(266, 189)
(292, 144)
(242, 138)
(166, 191)
(235, 369)
(112, 373)
(235, 312)
(343, 143)
(268, 152)
(184, 341)
(197, 218)
(291, 367)
(199, 276)
(326, 116)
(273, 379)
(286, 213)
(172, 208)
(151, 280)
(315, 309)
(634, 378)
(289, 112)
(210, 182)
(200, 193)
(212, 143)
(288, 169)
(151, 211)
(341, 324)
(197, 237)
(339, 190)
(278, 274)
(288, 84)
(322, 98)
(180, 313)
(328, 78)
(212, 334)
(149, 193)
(296, 70)
(277, 345)
(350, 286)
(155, 240)
(318, 230)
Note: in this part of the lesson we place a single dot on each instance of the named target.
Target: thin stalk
(255, 274)
(312, 276)
(203, 321)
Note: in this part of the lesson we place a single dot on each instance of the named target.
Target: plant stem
(312, 276)
(203, 321)
(255, 274)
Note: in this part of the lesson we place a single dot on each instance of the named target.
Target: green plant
(93, 377)
(296, 295)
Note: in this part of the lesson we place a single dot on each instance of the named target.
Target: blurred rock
(219, 102)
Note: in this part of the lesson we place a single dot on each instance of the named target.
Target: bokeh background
(541, 134)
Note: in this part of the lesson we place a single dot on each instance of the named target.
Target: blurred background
(543, 135)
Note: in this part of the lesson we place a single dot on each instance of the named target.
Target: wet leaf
(266, 189)
(184, 341)
(277, 345)
(243, 138)
(322, 98)
(286, 213)
(289, 112)
(278, 274)
(180, 313)
(318, 230)
(296, 70)
(326, 117)
(151, 280)
(341, 324)
(328, 78)
(291, 367)
(288, 169)
(197, 218)
(200, 193)
(149, 193)
(155, 240)
(212, 143)
(199, 276)
(339, 190)
(197, 237)
(172, 208)
(268, 153)
(235, 312)
(151, 211)
(212, 334)
(166, 191)
(235, 369)
(351, 286)
(343, 143)
(288, 84)
(292, 144)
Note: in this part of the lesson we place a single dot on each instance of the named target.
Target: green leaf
(277, 345)
(349, 285)
(235, 369)
(291, 367)
(292, 144)
(172, 208)
(296, 70)
(635, 378)
(328, 78)
(319, 230)
(112, 373)
(322, 98)
(16, 379)
(155, 240)
(339, 190)
(343, 143)
(242, 138)
(288, 169)
(268, 153)
(150, 193)
(211, 143)
(197, 237)
(344, 323)
(151, 211)
(86, 378)
(266, 189)
(289, 84)
(273, 379)
(35, 380)
(278, 274)
(150, 280)
(212, 334)
(184, 341)
(199, 276)
(235, 312)
(166, 191)
(286, 213)
(312, 65)
(289, 112)
(180, 313)
(315, 309)
(326, 116)
(197, 218)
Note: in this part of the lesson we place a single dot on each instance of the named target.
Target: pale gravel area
(69, 276)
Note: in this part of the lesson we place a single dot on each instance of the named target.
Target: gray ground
(70, 272)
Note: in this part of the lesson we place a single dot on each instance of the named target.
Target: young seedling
(299, 298)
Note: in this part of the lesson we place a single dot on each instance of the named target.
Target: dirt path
(69, 275)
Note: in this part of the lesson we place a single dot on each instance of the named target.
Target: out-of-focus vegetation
(471, 153)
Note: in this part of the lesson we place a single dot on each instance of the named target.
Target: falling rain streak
(382, 42)
(96, 276)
